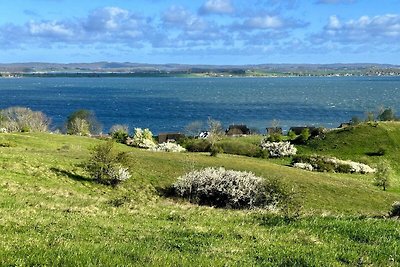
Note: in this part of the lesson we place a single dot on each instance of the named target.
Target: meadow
(53, 213)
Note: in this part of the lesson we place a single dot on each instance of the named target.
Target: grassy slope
(51, 213)
(360, 143)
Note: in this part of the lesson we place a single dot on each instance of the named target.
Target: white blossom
(304, 166)
(168, 147)
(278, 149)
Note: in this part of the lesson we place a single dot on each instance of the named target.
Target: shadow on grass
(72, 176)
(168, 192)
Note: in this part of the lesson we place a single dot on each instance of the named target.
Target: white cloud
(334, 23)
(179, 17)
(265, 22)
(377, 29)
(217, 7)
(51, 29)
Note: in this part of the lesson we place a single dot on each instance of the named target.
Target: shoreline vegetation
(110, 69)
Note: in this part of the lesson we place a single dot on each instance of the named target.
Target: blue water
(168, 104)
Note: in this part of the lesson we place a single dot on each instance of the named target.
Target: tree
(382, 175)
(370, 116)
(215, 133)
(386, 115)
(79, 126)
(83, 115)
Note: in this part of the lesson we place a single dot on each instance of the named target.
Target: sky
(216, 32)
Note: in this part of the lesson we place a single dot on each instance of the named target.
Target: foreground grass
(51, 213)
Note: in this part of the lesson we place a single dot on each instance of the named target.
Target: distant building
(237, 130)
(169, 137)
(203, 135)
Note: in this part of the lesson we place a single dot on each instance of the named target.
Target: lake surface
(168, 104)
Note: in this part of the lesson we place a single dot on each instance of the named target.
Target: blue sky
(200, 31)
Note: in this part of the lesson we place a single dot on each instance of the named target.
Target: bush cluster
(330, 164)
(20, 119)
(196, 145)
(229, 189)
(278, 149)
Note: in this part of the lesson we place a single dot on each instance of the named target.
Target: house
(239, 129)
(169, 137)
(274, 130)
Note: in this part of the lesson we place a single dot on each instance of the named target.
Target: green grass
(51, 213)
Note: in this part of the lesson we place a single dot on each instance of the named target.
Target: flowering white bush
(278, 149)
(143, 138)
(118, 174)
(3, 130)
(304, 166)
(322, 163)
(168, 147)
(354, 166)
(227, 188)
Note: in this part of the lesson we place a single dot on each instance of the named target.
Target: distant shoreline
(184, 75)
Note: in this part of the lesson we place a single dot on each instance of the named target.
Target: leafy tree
(382, 175)
(88, 116)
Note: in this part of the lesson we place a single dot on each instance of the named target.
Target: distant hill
(208, 70)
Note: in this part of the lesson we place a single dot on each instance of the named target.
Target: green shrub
(215, 150)
(304, 136)
(343, 168)
(229, 189)
(275, 137)
(119, 133)
(291, 135)
(106, 165)
(196, 145)
(237, 148)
